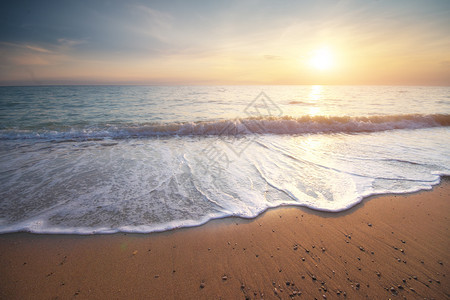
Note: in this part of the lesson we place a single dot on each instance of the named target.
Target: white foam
(148, 185)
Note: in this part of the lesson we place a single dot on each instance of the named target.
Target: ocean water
(104, 159)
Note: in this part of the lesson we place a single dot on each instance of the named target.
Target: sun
(322, 59)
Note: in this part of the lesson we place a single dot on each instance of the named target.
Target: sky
(351, 42)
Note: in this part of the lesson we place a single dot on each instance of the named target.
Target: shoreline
(323, 213)
(385, 241)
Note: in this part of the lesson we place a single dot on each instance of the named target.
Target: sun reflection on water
(315, 95)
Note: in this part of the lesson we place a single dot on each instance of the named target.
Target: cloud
(70, 43)
(17, 54)
(28, 60)
(151, 22)
(445, 63)
(25, 54)
(272, 57)
(35, 48)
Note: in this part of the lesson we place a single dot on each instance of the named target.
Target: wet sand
(394, 246)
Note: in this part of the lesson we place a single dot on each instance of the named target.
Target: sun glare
(322, 59)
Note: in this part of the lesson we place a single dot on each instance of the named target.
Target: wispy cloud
(35, 48)
(152, 22)
(25, 54)
(70, 43)
(445, 63)
(272, 57)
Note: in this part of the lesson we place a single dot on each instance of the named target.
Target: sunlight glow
(322, 59)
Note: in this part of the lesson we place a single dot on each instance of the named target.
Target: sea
(106, 159)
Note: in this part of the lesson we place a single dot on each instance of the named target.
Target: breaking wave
(255, 125)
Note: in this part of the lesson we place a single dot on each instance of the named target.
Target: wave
(256, 125)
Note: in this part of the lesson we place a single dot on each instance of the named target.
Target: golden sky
(403, 42)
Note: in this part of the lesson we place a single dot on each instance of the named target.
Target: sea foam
(147, 185)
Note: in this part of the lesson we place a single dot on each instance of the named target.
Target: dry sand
(387, 247)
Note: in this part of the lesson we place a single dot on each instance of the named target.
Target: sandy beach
(393, 246)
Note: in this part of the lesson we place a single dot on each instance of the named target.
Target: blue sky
(224, 42)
